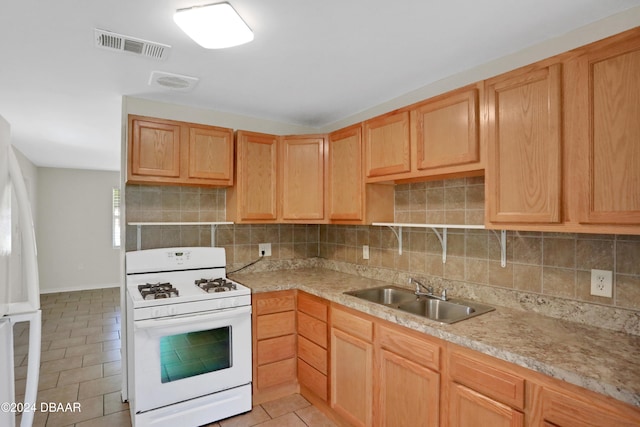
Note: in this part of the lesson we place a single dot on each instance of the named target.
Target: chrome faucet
(429, 290)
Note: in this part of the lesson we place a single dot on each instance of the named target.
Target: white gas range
(188, 338)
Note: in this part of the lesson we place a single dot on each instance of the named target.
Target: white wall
(30, 175)
(74, 229)
(579, 37)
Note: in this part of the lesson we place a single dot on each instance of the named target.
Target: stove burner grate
(157, 291)
(219, 284)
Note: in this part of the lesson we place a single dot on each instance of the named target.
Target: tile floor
(80, 362)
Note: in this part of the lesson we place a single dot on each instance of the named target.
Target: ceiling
(312, 63)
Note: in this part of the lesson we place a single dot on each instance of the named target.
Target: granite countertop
(597, 359)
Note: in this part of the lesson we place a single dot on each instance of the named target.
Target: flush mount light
(213, 26)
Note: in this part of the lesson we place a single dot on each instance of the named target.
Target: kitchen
(550, 265)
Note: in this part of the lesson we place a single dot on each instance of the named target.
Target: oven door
(183, 357)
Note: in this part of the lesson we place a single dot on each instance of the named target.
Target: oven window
(194, 353)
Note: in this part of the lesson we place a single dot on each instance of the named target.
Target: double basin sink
(449, 311)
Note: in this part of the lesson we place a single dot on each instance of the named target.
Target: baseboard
(79, 288)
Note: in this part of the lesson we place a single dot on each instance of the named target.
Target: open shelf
(396, 227)
(213, 225)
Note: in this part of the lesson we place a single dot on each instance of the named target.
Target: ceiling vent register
(118, 42)
(172, 81)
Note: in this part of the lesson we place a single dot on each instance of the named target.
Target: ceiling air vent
(172, 81)
(122, 43)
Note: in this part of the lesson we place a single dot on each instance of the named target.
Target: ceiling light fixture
(213, 26)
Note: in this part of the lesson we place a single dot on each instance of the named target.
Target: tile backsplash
(556, 265)
(549, 264)
(146, 203)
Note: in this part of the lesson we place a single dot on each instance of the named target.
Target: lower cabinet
(407, 390)
(559, 408)
(404, 388)
(481, 393)
(312, 346)
(274, 343)
(472, 409)
(352, 367)
(364, 371)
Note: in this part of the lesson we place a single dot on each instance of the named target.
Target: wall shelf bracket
(443, 242)
(502, 239)
(442, 236)
(398, 234)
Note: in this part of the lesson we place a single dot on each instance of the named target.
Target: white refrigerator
(19, 287)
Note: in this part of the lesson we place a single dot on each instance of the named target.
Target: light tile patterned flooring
(80, 362)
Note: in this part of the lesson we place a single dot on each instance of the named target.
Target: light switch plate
(602, 283)
(365, 251)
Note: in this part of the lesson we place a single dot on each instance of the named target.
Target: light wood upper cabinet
(523, 177)
(210, 153)
(350, 200)
(387, 145)
(171, 152)
(445, 131)
(303, 175)
(254, 197)
(435, 138)
(604, 110)
(346, 174)
(154, 148)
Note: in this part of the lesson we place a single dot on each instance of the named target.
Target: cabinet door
(523, 176)
(468, 408)
(154, 148)
(351, 378)
(303, 178)
(409, 393)
(211, 154)
(387, 145)
(257, 179)
(446, 133)
(604, 107)
(346, 174)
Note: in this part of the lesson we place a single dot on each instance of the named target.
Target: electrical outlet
(365, 251)
(264, 249)
(602, 283)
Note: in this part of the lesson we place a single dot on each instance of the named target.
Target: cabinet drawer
(312, 379)
(275, 349)
(488, 380)
(281, 372)
(352, 324)
(313, 354)
(313, 329)
(281, 301)
(312, 306)
(275, 325)
(420, 351)
(565, 410)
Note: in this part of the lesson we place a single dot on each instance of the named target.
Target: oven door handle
(183, 319)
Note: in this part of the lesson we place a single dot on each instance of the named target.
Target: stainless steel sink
(387, 295)
(450, 311)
